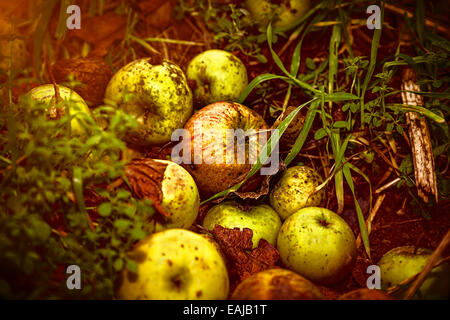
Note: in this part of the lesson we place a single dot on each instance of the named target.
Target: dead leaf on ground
(237, 247)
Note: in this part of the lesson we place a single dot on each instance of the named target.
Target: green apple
(318, 244)
(402, 263)
(210, 150)
(276, 284)
(262, 220)
(157, 96)
(175, 264)
(286, 12)
(218, 75)
(180, 197)
(296, 190)
(77, 107)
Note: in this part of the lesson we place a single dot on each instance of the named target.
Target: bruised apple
(276, 284)
(156, 95)
(262, 220)
(221, 143)
(218, 75)
(175, 264)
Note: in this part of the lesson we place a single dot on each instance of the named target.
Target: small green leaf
(319, 134)
(105, 209)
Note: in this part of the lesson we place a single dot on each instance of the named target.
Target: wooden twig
(369, 220)
(421, 149)
(431, 261)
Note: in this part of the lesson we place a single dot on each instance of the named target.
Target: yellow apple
(77, 107)
(286, 13)
(296, 190)
(219, 76)
(180, 197)
(176, 264)
(156, 95)
(318, 244)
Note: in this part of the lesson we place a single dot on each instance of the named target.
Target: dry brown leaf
(237, 246)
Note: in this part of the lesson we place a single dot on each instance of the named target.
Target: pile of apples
(315, 244)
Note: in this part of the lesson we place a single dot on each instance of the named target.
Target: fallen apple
(276, 284)
(175, 264)
(262, 220)
(365, 294)
(296, 190)
(285, 12)
(180, 197)
(77, 107)
(217, 163)
(318, 244)
(218, 75)
(157, 96)
(402, 263)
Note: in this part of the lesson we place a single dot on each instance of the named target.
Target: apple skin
(219, 76)
(46, 94)
(221, 116)
(262, 220)
(288, 12)
(276, 284)
(365, 294)
(160, 99)
(180, 197)
(402, 263)
(175, 264)
(296, 191)
(318, 244)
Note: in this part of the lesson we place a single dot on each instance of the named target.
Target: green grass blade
(300, 141)
(372, 63)
(361, 221)
(257, 81)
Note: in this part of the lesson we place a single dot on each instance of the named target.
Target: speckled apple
(156, 95)
(318, 244)
(276, 284)
(262, 220)
(218, 75)
(175, 264)
(287, 12)
(77, 107)
(296, 190)
(402, 263)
